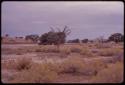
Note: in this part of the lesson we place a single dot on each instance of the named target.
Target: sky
(85, 19)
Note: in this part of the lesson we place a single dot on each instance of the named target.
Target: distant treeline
(116, 37)
(59, 37)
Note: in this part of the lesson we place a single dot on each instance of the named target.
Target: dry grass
(76, 49)
(9, 64)
(103, 45)
(87, 52)
(112, 74)
(110, 52)
(23, 63)
(76, 65)
(19, 64)
(47, 48)
(30, 72)
(65, 50)
(38, 73)
(72, 65)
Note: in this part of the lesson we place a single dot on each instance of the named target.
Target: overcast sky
(85, 19)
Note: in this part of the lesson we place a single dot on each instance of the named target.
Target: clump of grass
(72, 65)
(18, 64)
(38, 73)
(86, 52)
(112, 74)
(23, 63)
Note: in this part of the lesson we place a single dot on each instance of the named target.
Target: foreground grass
(99, 71)
(112, 74)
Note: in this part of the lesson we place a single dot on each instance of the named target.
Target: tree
(116, 37)
(7, 35)
(85, 40)
(53, 37)
(34, 37)
(74, 41)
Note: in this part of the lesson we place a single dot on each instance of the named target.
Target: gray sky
(85, 19)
